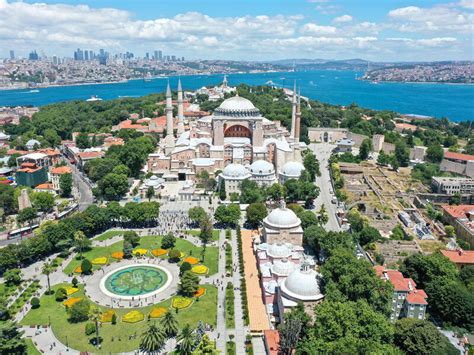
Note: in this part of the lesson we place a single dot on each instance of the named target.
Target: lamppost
(67, 344)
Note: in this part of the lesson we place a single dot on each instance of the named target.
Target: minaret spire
(169, 139)
(298, 118)
(180, 109)
(293, 112)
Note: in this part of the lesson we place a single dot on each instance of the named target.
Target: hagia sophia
(236, 140)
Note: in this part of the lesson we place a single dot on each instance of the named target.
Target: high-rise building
(155, 55)
(55, 60)
(173, 58)
(33, 55)
(147, 56)
(79, 54)
(160, 56)
(102, 52)
(91, 55)
(12, 54)
(86, 55)
(182, 59)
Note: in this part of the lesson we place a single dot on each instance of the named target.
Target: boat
(33, 91)
(375, 82)
(94, 98)
(269, 82)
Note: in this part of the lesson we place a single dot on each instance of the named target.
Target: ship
(94, 98)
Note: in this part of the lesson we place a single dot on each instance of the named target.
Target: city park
(124, 290)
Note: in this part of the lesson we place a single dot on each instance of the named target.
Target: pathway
(221, 329)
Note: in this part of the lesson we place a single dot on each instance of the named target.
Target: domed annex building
(236, 133)
(287, 274)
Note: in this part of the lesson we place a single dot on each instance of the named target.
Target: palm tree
(153, 339)
(95, 314)
(79, 241)
(186, 339)
(47, 270)
(169, 323)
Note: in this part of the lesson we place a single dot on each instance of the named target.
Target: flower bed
(78, 270)
(192, 260)
(71, 290)
(102, 260)
(117, 255)
(140, 252)
(200, 269)
(158, 312)
(69, 302)
(180, 302)
(200, 292)
(107, 316)
(182, 255)
(159, 252)
(133, 317)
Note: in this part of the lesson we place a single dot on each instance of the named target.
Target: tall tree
(81, 242)
(169, 324)
(189, 284)
(150, 193)
(47, 270)
(11, 339)
(256, 212)
(186, 340)
(95, 315)
(153, 339)
(290, 331)
(65, 184)
(365, 149)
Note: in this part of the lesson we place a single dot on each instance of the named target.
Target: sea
(454, 101)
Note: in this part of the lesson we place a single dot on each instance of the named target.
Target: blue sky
(244, 29)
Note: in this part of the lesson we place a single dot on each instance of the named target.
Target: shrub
(114, 318)
(35, 302)
(75, 282)
(86, 267)
(174, 255)
(79, 311)
(61, 294)
(90, 328)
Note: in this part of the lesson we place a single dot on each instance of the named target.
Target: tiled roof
(458, 156)
(417, 297)
(61, 170)
(399, 282)
(459, 256)
(272, 339)
(458, 211)
(90, 155)
(45, 186)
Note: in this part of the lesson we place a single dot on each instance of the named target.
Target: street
(323, 153)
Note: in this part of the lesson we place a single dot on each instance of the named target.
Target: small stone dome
(237, 103)
(302, 284)
(153, 181)
(235, 171)
(282, 267)
(261, 167)
(292, 169)
(278, 251)
(282, 217)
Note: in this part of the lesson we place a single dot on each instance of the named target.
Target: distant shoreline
(414, 82)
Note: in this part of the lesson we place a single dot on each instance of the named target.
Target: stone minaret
(180, 109)
(169, 139)
(298, 119)
(293, 113)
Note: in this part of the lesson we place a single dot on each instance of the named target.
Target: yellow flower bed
(107, 316)
(180, 302)
(192, 260)
(69, 302)
(159, 252)
(78, 270)
(102, 260)
(182, 255)
(158, 312)
(200, 269)
(71, 290)
(200, 292)
(117, 255)
(133, 317)
(140, 252)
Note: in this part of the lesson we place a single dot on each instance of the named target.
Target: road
(82, 189)
(323, 153)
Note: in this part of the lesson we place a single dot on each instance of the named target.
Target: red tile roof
(44, 186)
(399, 282)
(459, 256)
(90, 155)
(458, 211)
(458, 156)
(272, 339)
(417, 297)
(61, 170)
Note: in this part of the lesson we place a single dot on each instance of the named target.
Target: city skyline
(329, 29)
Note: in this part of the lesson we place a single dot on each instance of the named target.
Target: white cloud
(435, 19)
(467, 4)
(342, 19)
(425, 42)
(314, 29)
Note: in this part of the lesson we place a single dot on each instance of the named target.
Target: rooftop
(458, 211)
(459, 256)
(458, 156)
(61, 170)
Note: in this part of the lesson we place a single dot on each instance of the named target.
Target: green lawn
(150, 242)
(195, 232)
(30, 347)
(108, 235)
(230, 348)
(204, 310)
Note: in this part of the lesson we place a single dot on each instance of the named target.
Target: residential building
(345, 145)
(29, 174)
(462, 219)
(407, 301)
(452, 185)
(458, 163)
(460, 257)
(55, 174)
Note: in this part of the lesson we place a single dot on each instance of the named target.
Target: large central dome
(282, 218)
(237, 106)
